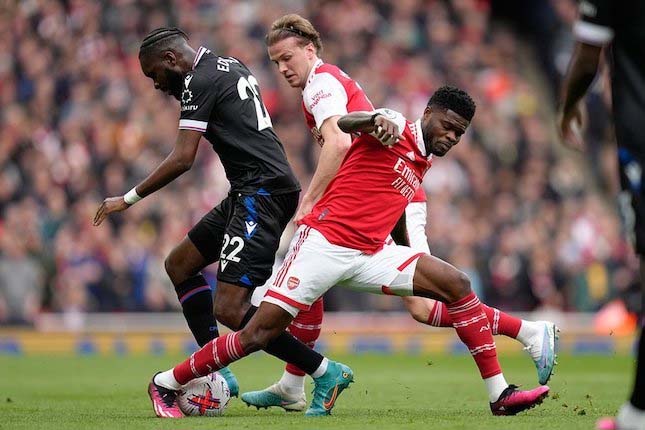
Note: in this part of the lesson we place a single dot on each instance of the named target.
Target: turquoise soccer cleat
(543, 351)
(231, 380)
(328, 387)
(275, 396)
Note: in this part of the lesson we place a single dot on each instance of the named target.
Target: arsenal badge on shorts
(293, 283)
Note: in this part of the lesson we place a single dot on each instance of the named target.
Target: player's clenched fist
(385, 130)
(109, 205)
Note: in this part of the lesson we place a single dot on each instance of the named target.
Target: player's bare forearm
(400, 232)
(357, 122)
(180, 160)
(582, 70)
(175, 164)
(166, 172)
(382, 128)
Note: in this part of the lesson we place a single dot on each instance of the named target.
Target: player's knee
(418, 308)
(420, 315)
(254, 339)
(459, 286)
(173, 269)
(228, 313)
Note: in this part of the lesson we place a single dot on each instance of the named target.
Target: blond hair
(293, 25)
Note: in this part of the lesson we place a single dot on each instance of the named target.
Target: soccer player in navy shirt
(619, 28)
(220, 99)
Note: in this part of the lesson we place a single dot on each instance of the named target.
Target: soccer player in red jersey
(342, 241)
(327, 94)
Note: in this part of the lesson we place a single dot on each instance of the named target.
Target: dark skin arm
(176, 163)
(582, 70)
(384, 129)
(400, 232)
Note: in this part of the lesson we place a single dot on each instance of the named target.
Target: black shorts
(632, 198)
(243, 233)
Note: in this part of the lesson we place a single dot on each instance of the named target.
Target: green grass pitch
(390, 392)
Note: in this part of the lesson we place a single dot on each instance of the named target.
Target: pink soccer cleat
(606, 424)
(512, 400)
(164, 401)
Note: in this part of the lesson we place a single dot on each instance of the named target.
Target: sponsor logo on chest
(320, 95)
(406, 181)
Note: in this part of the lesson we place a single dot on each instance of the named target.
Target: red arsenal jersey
(374, 184)
(329, 92)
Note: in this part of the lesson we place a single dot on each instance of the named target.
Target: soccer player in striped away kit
(619, 26)
(342, 242)
(328, 93)
(219, 99)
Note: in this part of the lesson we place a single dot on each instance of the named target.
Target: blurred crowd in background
(534, 226)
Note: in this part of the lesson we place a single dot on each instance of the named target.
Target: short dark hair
(454, 99)
(161, 38)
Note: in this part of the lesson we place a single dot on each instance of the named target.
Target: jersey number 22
(243, 85)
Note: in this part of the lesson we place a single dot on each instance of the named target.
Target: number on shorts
(238, 244)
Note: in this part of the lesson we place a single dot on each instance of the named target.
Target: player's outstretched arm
(177, 162)
(384, 129)
(580, 75)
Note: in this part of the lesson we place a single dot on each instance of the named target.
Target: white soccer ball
(206, 396)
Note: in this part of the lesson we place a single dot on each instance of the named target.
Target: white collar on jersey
(317, 64)
(200, 53)
(418, 135)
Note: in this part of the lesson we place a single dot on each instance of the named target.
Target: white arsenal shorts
(415, 221)
(313, 266)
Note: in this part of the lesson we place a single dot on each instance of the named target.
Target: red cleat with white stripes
(513, 401)
(164, 401)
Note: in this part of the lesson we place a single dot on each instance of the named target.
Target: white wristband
(131, 197)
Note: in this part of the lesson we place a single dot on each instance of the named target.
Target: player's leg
(251, 240)
(631, 415)
(637, 399)
(537, 337)
(312, 266)
(632, 210)
(267, 326)
(398, 270)
(251, 237)
(305, 327)
(289, 391)
(202, 247)
(183, 266)
(437, 279)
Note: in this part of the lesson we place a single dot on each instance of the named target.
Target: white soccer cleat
(275, 395)
(542, 349)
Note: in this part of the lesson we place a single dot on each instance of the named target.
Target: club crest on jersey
(410, 156)
(186, 97)
(293, 283)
